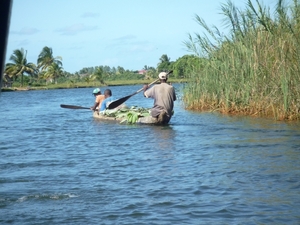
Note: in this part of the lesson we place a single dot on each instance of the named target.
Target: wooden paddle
(118, 102)
(73, 107)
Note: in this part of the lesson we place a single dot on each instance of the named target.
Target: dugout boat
(133, 115)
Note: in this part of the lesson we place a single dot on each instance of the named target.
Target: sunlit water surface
(61, 166)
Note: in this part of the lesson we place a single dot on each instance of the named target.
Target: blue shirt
(106, 102)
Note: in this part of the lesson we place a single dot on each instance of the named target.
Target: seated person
(108, 99)
(98, 99)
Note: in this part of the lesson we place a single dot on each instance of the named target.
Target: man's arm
(174, 94)
(145, 87)
(95, 106)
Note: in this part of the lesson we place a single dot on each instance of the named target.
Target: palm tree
(46, 59)
(164, 58)
(53, 72)
(98, 75)
(164, 63)
(19, 65)
(88, 79)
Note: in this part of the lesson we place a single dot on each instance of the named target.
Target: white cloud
(89, 15)
(75, 29)
(26, 31)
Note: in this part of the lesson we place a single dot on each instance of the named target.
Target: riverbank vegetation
(48, 72)
(82, 84)
(255, 69)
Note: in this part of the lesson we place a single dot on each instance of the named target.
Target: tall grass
(255, 70)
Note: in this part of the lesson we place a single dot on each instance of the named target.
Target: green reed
(255, 70)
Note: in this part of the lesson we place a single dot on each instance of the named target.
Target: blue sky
(127, 33)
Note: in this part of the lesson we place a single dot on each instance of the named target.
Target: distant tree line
(49, 70)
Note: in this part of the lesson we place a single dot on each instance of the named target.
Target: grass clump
(255, 69)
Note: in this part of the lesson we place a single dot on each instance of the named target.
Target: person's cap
(163, 75)
(97, 90)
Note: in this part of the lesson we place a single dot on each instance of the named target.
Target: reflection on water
(163, 137)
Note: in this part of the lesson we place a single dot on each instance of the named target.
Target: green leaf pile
(129, 115)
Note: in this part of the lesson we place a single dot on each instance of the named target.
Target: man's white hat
(163, 75)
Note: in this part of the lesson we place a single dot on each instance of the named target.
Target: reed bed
(255, 70)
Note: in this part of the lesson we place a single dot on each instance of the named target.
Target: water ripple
(61, 166)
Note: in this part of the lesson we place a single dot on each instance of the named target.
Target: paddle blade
(118, 102)
(73, 107)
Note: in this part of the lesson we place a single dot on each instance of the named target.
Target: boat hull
(100, 116)
(141, 120)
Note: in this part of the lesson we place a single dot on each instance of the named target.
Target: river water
(61, 166)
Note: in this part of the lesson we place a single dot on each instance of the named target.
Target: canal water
(61, 166)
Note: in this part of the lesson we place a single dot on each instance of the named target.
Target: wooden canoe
(141, 120)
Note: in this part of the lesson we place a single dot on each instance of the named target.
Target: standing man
(164, 97)
(98, 99)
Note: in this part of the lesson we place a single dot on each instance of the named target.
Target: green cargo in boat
(133, 115)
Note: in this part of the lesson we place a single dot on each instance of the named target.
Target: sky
(127, 33)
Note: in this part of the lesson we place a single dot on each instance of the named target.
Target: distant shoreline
(81, 85)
